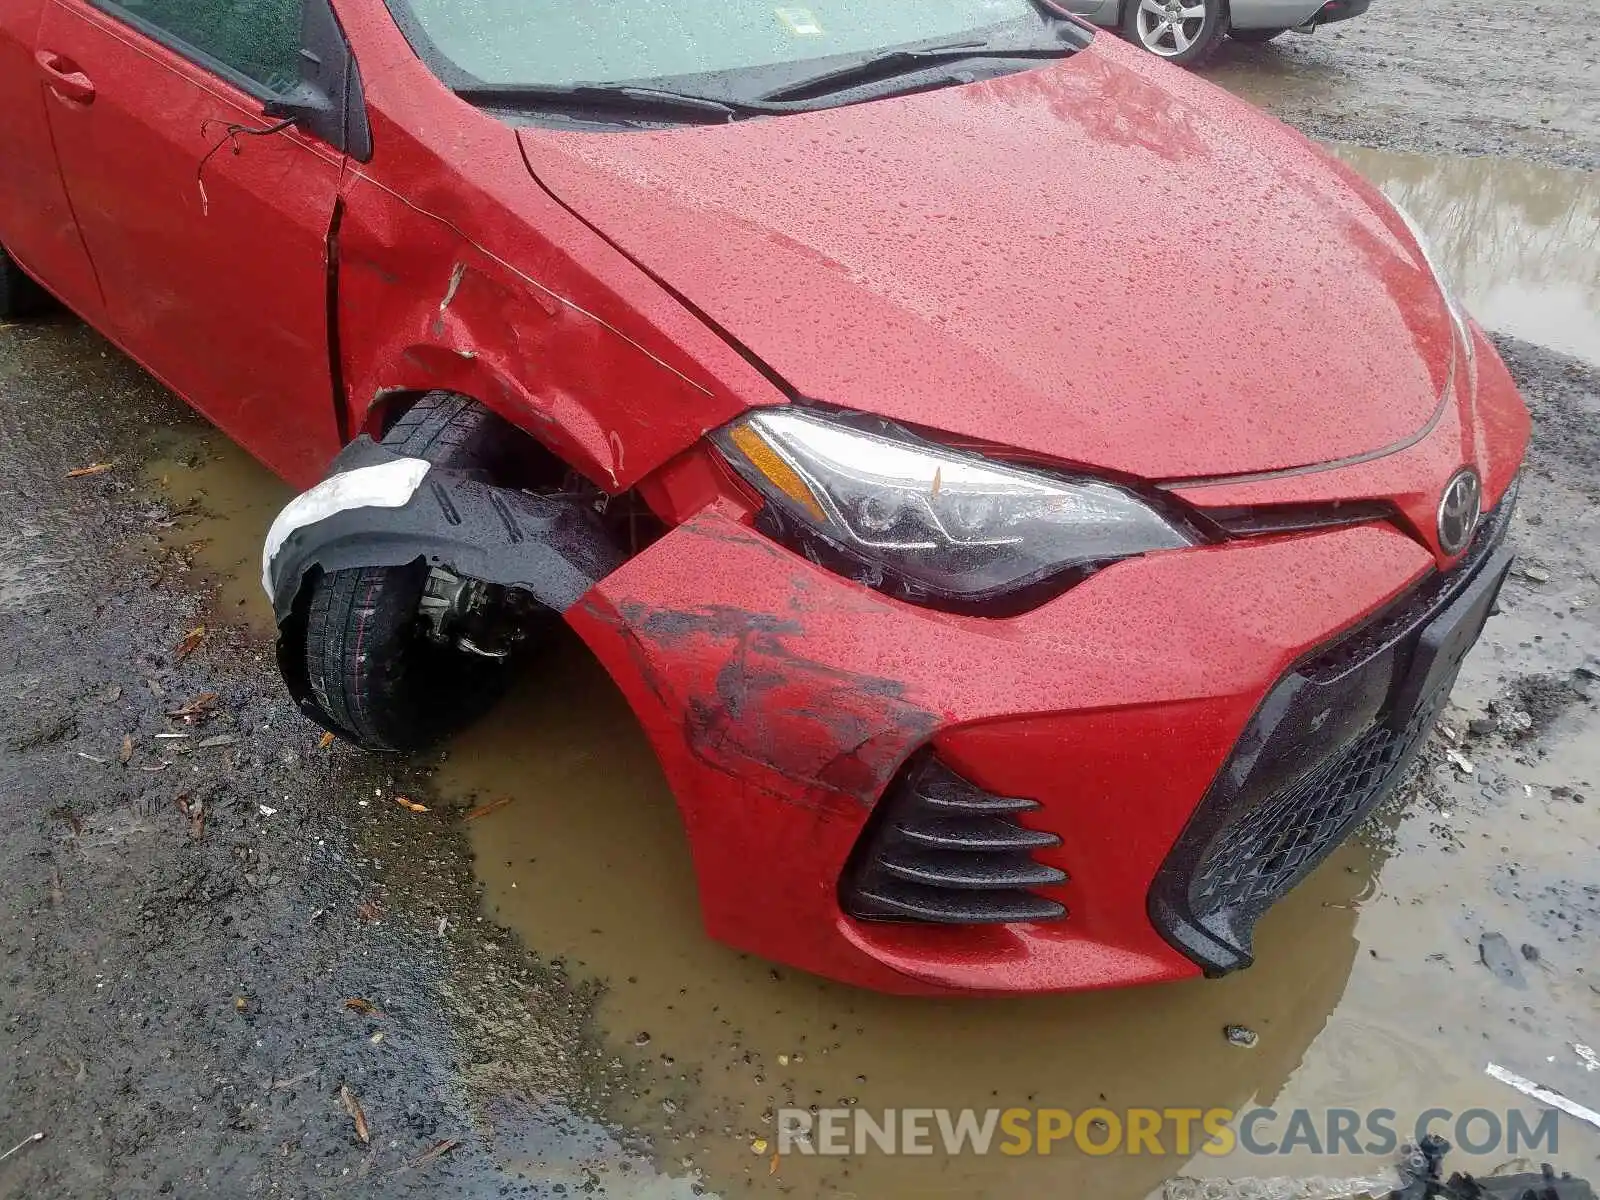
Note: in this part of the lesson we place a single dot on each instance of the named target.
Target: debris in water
(412, 805)
(483, 810)
(1239, 1035)
(1587, 1056)
(1542, 1094)
(1460, 761)
(99, 468)
(1495, 952)
(641, 1039)
(1534, 574)
(353, 1107)
(190, 640)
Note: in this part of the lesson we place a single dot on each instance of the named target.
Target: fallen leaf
(126, 752)
(361, 1005)
(353, 1107)
(241, 1004)
(483, 810)
(325, 741)
(99, 468)
(435, 1151)
(191, 639)
(772, 1163)
(412, 805)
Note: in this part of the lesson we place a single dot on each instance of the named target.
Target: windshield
(521, 42)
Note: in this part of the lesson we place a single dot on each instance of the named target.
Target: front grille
(1332, 738)
(940, 849)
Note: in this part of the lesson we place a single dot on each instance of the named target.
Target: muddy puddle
(215, 506)
(1519, 242)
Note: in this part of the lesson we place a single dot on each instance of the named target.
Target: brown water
(1519, 243)
(1368, 989)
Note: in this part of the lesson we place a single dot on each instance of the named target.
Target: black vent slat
(940, 849)
(977, 834)
(948, 792)
(956, 870)
(910, 902)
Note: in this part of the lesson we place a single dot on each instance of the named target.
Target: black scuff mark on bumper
(826, 731)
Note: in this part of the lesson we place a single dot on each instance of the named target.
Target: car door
(209, 238)
(36, 223)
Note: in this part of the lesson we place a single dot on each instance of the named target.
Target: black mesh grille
(942, 850)
(1328, 743)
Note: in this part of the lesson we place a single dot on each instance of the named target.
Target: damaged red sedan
(1035, 503)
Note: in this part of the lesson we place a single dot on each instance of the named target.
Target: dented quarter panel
(781, 700)
(457, 271)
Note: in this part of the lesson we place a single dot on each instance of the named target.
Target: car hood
(1105, 262)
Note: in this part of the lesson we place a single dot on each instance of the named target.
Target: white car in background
(1187, 31)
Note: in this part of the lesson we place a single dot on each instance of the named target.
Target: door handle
(64, 78)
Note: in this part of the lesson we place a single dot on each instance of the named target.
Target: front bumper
(784, 701)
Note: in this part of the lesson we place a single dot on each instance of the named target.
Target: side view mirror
(328, 103)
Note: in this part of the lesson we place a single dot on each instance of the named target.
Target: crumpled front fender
(380, 509)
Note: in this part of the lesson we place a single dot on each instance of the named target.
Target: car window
(564, 41)
(258, 39)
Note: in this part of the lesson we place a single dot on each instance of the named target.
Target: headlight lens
(1458, 314)
(927, 522)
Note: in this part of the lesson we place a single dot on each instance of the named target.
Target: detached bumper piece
(1331, 740)
(941, 850)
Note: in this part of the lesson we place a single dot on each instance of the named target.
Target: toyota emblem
(1459, 509)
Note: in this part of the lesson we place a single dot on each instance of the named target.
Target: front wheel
(399, 658)
(1255, 36)
(1184, 32)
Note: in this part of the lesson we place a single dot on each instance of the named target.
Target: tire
(1255, 36)
(370, 664)
(1199, 37)
(19, 295)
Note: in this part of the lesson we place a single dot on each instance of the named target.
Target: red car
(1035, 503)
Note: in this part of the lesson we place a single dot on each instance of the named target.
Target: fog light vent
(941, 849)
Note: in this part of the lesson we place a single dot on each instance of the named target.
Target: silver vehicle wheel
(1169, 27)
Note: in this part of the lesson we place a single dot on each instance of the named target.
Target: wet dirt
(172, 988)
(1437, 76)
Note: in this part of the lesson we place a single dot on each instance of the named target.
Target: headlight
(926, 522)
(1458, 314)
